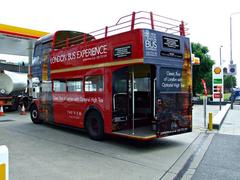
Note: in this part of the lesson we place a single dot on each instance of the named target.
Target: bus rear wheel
(94, 126)
(35, 115)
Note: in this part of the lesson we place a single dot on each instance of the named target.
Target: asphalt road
(221, 160)
(47, 152)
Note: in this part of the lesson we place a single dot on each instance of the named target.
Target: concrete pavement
(231, 123)
(198, 120)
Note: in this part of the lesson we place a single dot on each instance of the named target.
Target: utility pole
(231, 59)
(221, 55)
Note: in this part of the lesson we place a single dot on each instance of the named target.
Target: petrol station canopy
(17, 40)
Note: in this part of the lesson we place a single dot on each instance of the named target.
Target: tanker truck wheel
(35, 115)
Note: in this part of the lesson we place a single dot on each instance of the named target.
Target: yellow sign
(217, 70)
(2, 172)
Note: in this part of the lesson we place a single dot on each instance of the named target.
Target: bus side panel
(60, 107)
(74, 109)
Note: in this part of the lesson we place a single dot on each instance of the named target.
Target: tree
(202, 71)
(229, 82)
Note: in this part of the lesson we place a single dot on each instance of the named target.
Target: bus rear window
(94, 83)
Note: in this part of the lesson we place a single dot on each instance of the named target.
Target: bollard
(231, 102)
(210, 123)
(4, 163)
(205, 111)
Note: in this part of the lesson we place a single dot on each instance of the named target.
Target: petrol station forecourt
(129, 121)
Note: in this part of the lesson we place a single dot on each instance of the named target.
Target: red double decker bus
(131, 79)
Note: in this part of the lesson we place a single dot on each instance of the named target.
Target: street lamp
(231, 60)
(221, 55)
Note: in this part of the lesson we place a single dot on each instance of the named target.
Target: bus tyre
(35, 115)
(94, 126)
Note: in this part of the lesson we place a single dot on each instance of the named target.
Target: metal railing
(136, 20)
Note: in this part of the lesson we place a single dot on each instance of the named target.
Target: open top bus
(132, 79)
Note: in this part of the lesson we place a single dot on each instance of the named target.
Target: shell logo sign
(217, 75)
(217, 70)
(4, 163)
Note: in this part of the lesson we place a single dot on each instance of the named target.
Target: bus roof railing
(136, 20)
(143, 19)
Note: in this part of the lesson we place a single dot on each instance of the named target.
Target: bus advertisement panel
(171, 55)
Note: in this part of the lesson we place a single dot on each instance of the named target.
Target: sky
(208, 21)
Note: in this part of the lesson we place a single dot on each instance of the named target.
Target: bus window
(94, 83)
(36, 61)
(37, 54)
(120, 81)
(74, 86)
(59, 86)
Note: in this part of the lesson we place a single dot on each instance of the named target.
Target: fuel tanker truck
(13, 90)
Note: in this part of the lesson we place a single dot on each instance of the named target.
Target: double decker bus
(132, 79)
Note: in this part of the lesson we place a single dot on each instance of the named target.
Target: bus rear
(173, 84)
(153, 98)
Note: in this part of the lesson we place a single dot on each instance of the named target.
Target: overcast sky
(208, 21)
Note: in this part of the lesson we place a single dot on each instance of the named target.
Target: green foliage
(229, 82)
(227, 96)
(202, 71)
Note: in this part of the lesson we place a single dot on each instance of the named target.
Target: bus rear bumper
(146, 133)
